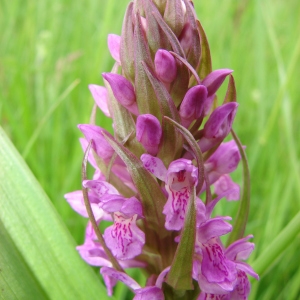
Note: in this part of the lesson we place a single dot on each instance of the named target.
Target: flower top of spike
(160, 174)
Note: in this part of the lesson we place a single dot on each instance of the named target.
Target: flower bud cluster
(159, 176)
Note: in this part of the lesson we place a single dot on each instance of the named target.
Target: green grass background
(51, 50)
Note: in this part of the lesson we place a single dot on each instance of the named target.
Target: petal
(240, 249)
(124, 238)
(100, 187)
(132, 206)
(213, 228)
(148, 132)
(165, 66)
(113, 42)
(242, 288)
(214, 80)
(216, 267)
(111, 202)
(226, 158)
(149, 293)
(247, 269)
(155, 166)
(182, 173)
(225, 184)
(75, 199)
(131, 283)
(91, 251)
(110, 282)
(192, 104)
(161, 277)
(100, 96)
(99, 143)
(175, 208)
(212, 288)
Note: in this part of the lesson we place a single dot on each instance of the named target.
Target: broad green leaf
(268, 258)
(35, 241)
(10, 285)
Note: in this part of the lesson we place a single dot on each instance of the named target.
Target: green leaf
(38, 256)
(231, 91)
(174, 16)
(205, 61)
(284, 239)
(145, 96)
(243, 212)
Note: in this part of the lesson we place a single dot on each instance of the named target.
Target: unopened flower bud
(192, 104)
(165, 66)
(122, 90)
(186, 37)
(148, 132)
(100, 96)
(214, 80)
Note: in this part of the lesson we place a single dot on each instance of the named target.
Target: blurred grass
(51, 50)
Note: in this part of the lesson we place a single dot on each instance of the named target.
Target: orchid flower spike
(159, 176)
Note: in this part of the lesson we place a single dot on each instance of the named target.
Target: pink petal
(155, 166)
(131, 283)
(100, 96)
(224, 184)
(113, 42)
(240, 249)
(149, 293)
(213, 228)
(124, 238)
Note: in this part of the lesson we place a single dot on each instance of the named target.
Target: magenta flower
(148, 132)
(159, 176)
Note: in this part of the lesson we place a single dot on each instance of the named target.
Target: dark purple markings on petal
(242, 288)
(215, 267)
